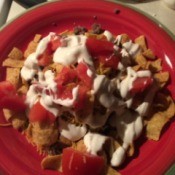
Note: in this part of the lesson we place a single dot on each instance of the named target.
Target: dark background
(29, 3)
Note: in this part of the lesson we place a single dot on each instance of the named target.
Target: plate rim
(154, 20)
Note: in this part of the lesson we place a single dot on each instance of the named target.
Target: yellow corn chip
(158, 121)
(142, 42)
(170, 112)
(102, 70)
(23, 89)
(161, 101)
(37, 38)
(19, 120)
(30, 49)
(8, 114)
(32, 45)
(155, 126)
(111, 171)
(80, 146)
(66, 32)
(15, 54)
(92, 35)
(136, 68)
(65, 141)
(52, 162)
(155, 66)
(125, 38)
(42, 134)
(131, 150)
(149, 54)
(161, 78)
(13, 76)
(13, 63)
(141, 61)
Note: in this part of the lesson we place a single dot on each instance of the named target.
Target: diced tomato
(82, 99)
(99, 47)
(9, 99)
(44, 60)
(102, 51)
(78, 163)
(82, 72)
(55, 42)
(67, 75)
(140, 84)
(66, 81)
(110, 61)
(39, 114)
(65, 91)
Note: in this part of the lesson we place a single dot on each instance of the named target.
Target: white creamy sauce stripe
(126, 85)
(30, 65)
(67, 102)
(108, 35)
(75, 51)
(71, 131)
(94, 142)
(128, 48)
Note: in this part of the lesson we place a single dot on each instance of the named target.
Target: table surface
(155, 8)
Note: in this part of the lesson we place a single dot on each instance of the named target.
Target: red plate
(19, 157)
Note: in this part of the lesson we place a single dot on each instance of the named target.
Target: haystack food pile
(83, 97)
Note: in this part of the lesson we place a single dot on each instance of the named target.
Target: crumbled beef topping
(78, 30)
(116, 11)
(96, 28)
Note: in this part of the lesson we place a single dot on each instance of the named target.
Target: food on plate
(83, 98)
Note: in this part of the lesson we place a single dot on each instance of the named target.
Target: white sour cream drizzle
(31, 96)
(108, 35)
(89, 72)
(129, 125)
(30, 65)
(67, 102)
(132, 48)
(124, 53)
(71, 131)
(126, 84)
(118, 40)
(118, 156)
(142, 108)
(45, 81)
(128, 48)
(75, 51)
(103, 89)
(94, 142)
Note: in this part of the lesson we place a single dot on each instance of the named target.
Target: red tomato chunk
(82, 69)
(141, 84)
(99, 47)
(78, 163)
(102, 51)
(39, 114)
(9, 98)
